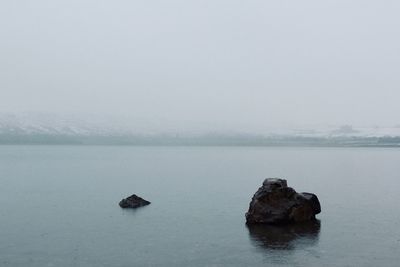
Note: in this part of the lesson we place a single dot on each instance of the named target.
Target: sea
(59, 206)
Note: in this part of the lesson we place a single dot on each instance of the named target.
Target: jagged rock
(276, 203)
(133, 202)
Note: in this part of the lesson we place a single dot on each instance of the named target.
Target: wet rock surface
(133, 202)
(276, 203)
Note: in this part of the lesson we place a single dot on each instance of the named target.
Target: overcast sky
(220, 62)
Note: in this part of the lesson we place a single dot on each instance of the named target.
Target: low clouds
(250, 64)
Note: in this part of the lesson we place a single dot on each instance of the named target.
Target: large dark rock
(133, 202)
(276, 203)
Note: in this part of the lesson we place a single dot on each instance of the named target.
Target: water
(59, 206)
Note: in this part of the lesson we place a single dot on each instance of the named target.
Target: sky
(240, 64)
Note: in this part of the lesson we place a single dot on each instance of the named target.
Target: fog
(240, 64)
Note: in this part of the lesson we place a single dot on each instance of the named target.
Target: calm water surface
(59, 206)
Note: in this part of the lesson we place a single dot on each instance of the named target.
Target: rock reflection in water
(284, 237)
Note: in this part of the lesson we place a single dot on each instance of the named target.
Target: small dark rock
(133, 202)
(276, 203)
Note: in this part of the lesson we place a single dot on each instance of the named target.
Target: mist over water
(210, 65)
(191, 104)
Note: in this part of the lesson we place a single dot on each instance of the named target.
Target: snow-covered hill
(49, 124)
(335, 131)
(74, 125)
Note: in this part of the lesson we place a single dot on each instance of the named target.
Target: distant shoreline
(202, 140)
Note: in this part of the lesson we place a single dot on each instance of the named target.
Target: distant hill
(54, 129)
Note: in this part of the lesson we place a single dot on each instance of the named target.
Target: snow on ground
(44, 123)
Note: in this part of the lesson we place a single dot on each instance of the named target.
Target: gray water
(59, 206)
